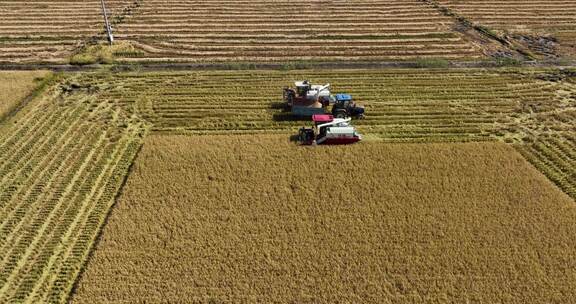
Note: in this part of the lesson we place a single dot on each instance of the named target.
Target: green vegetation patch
(104, 53)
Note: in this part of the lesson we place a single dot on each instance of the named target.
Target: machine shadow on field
(278, 105)
(285, 114)
(294, 138)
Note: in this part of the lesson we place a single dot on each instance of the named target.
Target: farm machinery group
(331, 127)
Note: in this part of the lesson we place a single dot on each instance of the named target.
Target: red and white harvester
(328, 130)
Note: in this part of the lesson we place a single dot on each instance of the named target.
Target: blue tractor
(344, 107)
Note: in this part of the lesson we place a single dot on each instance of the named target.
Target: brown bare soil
(257, 219)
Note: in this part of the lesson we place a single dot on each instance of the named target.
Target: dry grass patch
(104, 53)
(246, 219)
(14, 86)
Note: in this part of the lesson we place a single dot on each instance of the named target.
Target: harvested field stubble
(263, 30)
(555, 156)
(401, 104)
(49, 31)
(258, 219)
(63, 159)
(544, 27)
(517, 14)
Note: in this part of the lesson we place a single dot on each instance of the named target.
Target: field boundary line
(98, 237)
(284, 66)
(89, 203)
(44, 84)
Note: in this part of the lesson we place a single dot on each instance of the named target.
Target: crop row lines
(48, 223)
(26, 159)
(551, 165)
(64, 173)
(87, 223)
(39, 207)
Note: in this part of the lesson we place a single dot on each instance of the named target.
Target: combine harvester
(307, 100)
(328, 130)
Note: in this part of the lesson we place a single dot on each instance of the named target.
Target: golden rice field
(257, 219)
(121, 184)
(66, 154)
(523, 107)
(15, 86)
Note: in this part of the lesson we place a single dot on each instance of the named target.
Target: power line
(107, 23)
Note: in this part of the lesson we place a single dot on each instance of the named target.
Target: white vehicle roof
(340, 131)
(312, 93)
(342, 122)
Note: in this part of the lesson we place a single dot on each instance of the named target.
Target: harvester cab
(305, 91)
(306, 99)
(302, 88)
(344, 107)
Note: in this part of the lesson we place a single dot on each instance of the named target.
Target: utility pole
(108, 27)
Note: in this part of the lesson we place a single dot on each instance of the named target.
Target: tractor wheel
(301, 135)
(340, 114)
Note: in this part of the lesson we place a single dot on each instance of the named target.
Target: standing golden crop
(258, 219)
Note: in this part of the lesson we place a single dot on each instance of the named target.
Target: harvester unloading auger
(307, 100)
